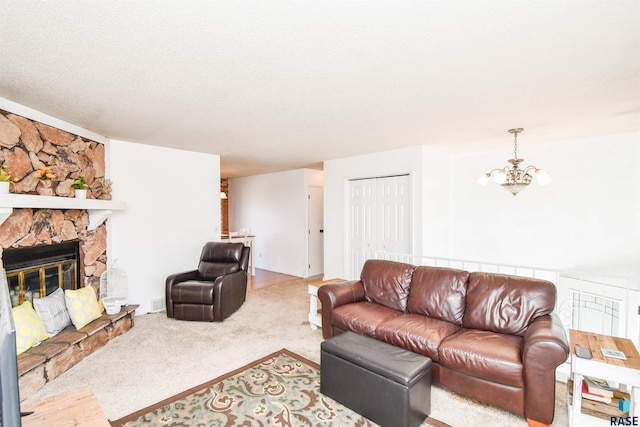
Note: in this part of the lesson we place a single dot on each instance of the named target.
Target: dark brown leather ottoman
(384, 383)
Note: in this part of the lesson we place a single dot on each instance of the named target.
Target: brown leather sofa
(215, 290)
(491, 337)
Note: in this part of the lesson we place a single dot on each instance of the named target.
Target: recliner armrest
(183, 277)
(230, 292)
(335, 295)
(172, 280)
(544, 348)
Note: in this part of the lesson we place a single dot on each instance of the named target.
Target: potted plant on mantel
(45, 175)
(5, 181)
(80, 186)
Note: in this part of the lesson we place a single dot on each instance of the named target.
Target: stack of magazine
(596, 389)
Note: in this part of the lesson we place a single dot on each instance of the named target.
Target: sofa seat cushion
(362, 317)
(417, 333)
(483, 354)
(192, 292)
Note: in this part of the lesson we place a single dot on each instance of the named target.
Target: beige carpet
(161, 357)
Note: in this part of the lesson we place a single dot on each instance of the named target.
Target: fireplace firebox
(38, 271)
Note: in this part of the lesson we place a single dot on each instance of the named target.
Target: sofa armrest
(335, 295)
(172, 280)
(545, 347)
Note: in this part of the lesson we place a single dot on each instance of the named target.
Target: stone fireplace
(39, 271)
(40, 229)
(50, 239)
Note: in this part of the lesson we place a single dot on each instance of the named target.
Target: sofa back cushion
(387, 283)
(439, 293)
(506, 304)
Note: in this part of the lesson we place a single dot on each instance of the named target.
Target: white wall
(586, 220)
(435, 194)
(274, 207)
(173, 208)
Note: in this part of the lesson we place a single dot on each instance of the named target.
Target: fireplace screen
(37, 272)
(25, 285)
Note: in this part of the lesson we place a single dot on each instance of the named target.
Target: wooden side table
(315, 318)
(76, 408)
(625, 372)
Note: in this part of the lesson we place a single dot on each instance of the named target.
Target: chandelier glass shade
(513, 178)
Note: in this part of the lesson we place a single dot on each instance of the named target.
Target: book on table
(598, 386)
(592, 396)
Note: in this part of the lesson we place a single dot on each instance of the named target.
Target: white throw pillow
(52, 310)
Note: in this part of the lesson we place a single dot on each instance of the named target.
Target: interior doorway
(315, 240)
(379, 219)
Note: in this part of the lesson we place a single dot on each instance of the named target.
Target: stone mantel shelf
(99, 210)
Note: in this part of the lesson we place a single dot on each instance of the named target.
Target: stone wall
(27, 146)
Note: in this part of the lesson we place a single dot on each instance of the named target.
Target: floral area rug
(282, 389)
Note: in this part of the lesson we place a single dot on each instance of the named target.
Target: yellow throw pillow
(82, 306)
(30, 330)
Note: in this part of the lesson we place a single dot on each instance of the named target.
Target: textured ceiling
(276, 85)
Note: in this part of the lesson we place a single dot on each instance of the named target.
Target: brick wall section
(224, 206)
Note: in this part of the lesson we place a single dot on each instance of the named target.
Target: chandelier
(512, 178)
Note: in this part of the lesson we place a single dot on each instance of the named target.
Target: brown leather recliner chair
(215, 290)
